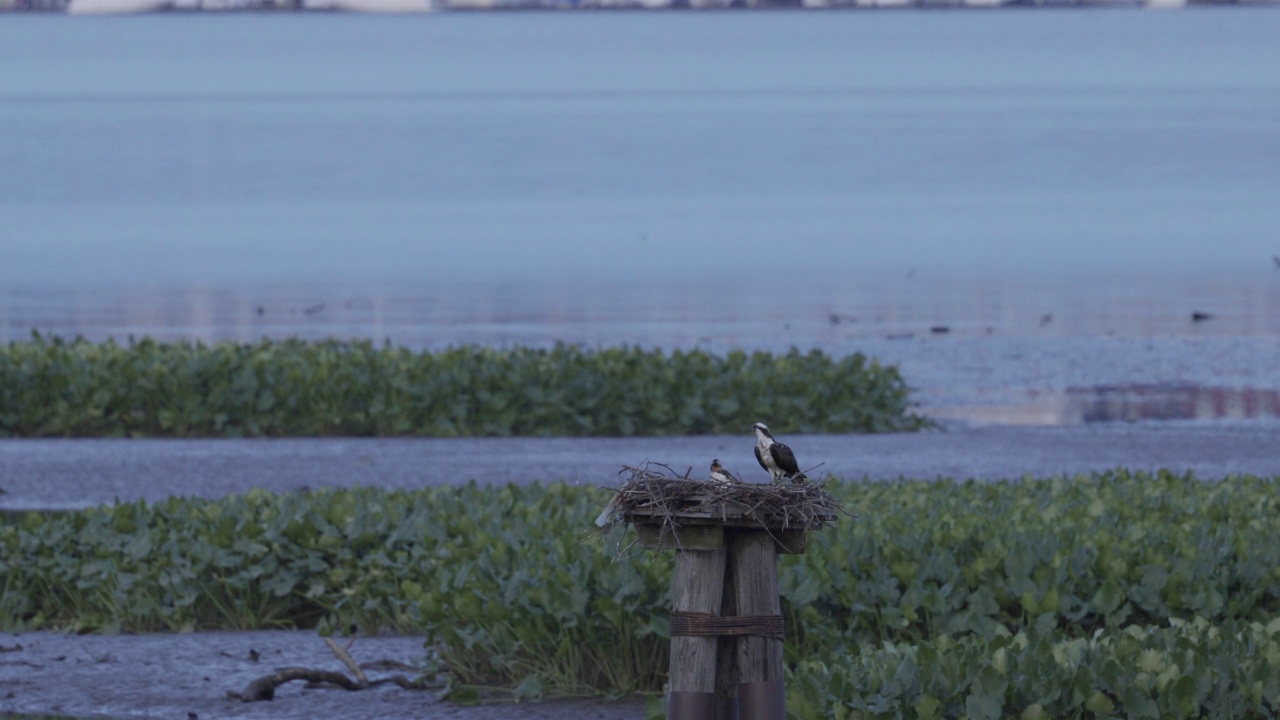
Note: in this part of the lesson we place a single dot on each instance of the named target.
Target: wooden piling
(727, 649)
(698, 586)
(761, 691)
(726, 621)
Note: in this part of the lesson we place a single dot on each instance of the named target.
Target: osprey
(775, 457)
(720, 475)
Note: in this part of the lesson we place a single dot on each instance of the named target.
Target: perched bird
(775, 457)
(720, 475)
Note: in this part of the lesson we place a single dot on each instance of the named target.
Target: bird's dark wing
(760, 458)
(784, 457)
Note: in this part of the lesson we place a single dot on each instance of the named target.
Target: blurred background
(1048, 217)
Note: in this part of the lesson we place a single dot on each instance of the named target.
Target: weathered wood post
(761, 690)
(696, 589)
(726, 615)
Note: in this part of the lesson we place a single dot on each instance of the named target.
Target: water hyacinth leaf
(928, 707)
(1137, 703)
(1100, 704)
(1186, 697)
(983, 707)
(1034, 711)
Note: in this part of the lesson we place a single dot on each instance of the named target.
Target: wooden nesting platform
(727, 628)
(675, 512)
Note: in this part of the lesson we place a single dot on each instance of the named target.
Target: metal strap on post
(704, 624)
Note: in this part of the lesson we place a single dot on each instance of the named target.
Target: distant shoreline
(98, 7)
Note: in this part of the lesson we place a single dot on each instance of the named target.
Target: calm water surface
(1060, 191)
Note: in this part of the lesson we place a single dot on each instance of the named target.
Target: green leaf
(1099, 704)
(462, 695)
(529, 689)
(928, 707)
(983, 707)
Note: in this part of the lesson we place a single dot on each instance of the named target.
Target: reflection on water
(1170, 402)
(1010, 349)
(1133, 402)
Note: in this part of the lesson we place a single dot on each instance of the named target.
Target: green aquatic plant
(52, 387)
(1111, 594)
(1186, 669)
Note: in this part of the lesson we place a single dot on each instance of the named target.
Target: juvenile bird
(720, 475)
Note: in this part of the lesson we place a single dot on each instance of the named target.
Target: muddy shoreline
(168, 676)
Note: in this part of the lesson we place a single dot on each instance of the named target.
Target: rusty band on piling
(762, 700)
(703, 624)
(686, 705)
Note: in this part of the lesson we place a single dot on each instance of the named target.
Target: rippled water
(1019, 208)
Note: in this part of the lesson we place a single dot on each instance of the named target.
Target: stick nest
(657, 492)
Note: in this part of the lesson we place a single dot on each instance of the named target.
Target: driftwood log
(264, 688)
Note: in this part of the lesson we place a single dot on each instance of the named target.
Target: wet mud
(175, 676)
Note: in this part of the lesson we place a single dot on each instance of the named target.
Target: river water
(1043, 217)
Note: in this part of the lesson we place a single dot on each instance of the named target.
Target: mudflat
(168, 676)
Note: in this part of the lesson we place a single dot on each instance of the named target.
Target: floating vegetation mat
(656, 492)
(293, 388)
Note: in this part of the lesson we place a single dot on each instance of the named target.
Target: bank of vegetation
(52, 387)
(1112, 595)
